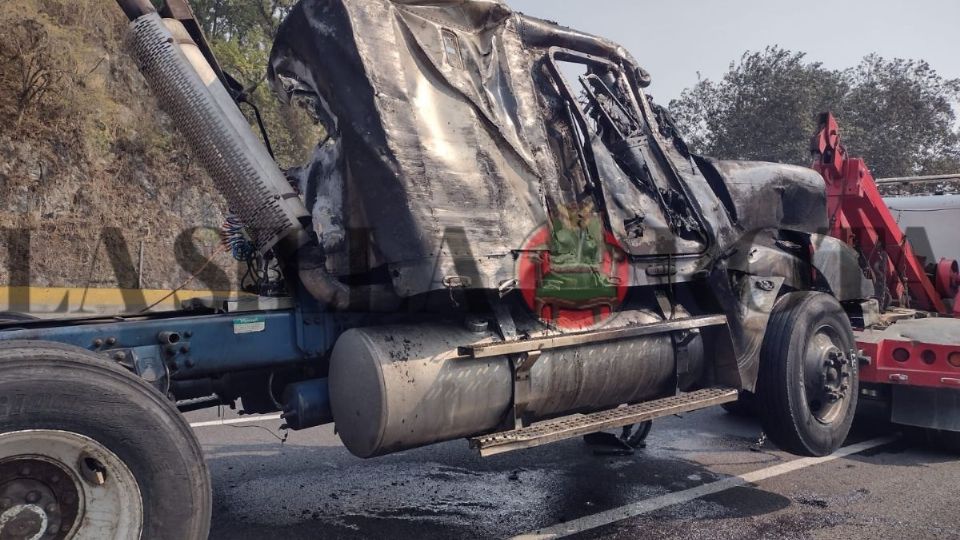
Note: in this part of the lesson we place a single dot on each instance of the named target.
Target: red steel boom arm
(859, 217)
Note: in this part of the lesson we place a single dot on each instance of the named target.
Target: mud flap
(933, 408)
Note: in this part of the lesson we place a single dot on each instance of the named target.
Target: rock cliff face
(92, 174)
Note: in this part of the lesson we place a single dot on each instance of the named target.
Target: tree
(897, 114)
(241, 33)
(248, 21)
(763, 108)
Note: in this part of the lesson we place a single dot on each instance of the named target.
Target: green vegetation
(85, 150)
(898, 114)
(241, 34)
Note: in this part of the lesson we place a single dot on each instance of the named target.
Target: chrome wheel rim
(59, 484)
(826, 375)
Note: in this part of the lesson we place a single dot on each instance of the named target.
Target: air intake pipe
(190, 91)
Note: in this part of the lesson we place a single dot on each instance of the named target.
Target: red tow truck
(910, 335)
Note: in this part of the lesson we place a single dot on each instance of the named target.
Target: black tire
(744, 406)
(797, 401)
(59, 387)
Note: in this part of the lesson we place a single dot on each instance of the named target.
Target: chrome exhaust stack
(190, 90)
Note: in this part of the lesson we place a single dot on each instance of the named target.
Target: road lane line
(246, 420)
(647, 506)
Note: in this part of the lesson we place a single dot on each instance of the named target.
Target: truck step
(582, 424)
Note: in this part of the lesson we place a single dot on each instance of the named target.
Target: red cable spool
(948, 278)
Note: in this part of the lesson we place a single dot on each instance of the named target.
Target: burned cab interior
(622, 166)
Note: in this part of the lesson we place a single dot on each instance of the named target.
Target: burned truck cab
(457, 130)
(500, 238)
(467, 129)
(475, 150)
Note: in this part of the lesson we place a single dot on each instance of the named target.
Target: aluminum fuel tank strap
(502, 348)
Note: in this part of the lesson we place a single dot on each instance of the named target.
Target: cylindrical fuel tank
(399, 387)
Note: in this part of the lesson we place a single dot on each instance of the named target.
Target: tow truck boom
(911, 350)
(859, 217)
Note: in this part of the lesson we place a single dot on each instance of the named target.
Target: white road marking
(246, 420)
(656, 503)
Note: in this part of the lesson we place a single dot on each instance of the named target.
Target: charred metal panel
(439, 131)
(839, 264)
(763, 254)
(774, 196)
(747, 301)
(452, 119)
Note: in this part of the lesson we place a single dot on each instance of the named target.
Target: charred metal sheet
(454, 121)
(748, 302)
(839, 264)
(439, 131)
(762, 253)
(773, 195)
(748, 324)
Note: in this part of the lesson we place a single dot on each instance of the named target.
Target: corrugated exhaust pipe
(189, 90)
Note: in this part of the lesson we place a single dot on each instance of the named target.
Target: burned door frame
(638, 175)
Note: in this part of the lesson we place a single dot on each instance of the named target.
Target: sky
(674, 40)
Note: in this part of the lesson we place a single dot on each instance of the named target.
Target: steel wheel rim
(59, 484)
(826, 375)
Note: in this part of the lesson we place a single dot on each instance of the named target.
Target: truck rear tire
(89, 450)
(808, 385)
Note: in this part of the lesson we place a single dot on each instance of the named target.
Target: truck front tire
(80, 436)
(808, 385)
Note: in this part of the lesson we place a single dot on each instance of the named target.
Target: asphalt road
(698, 478)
